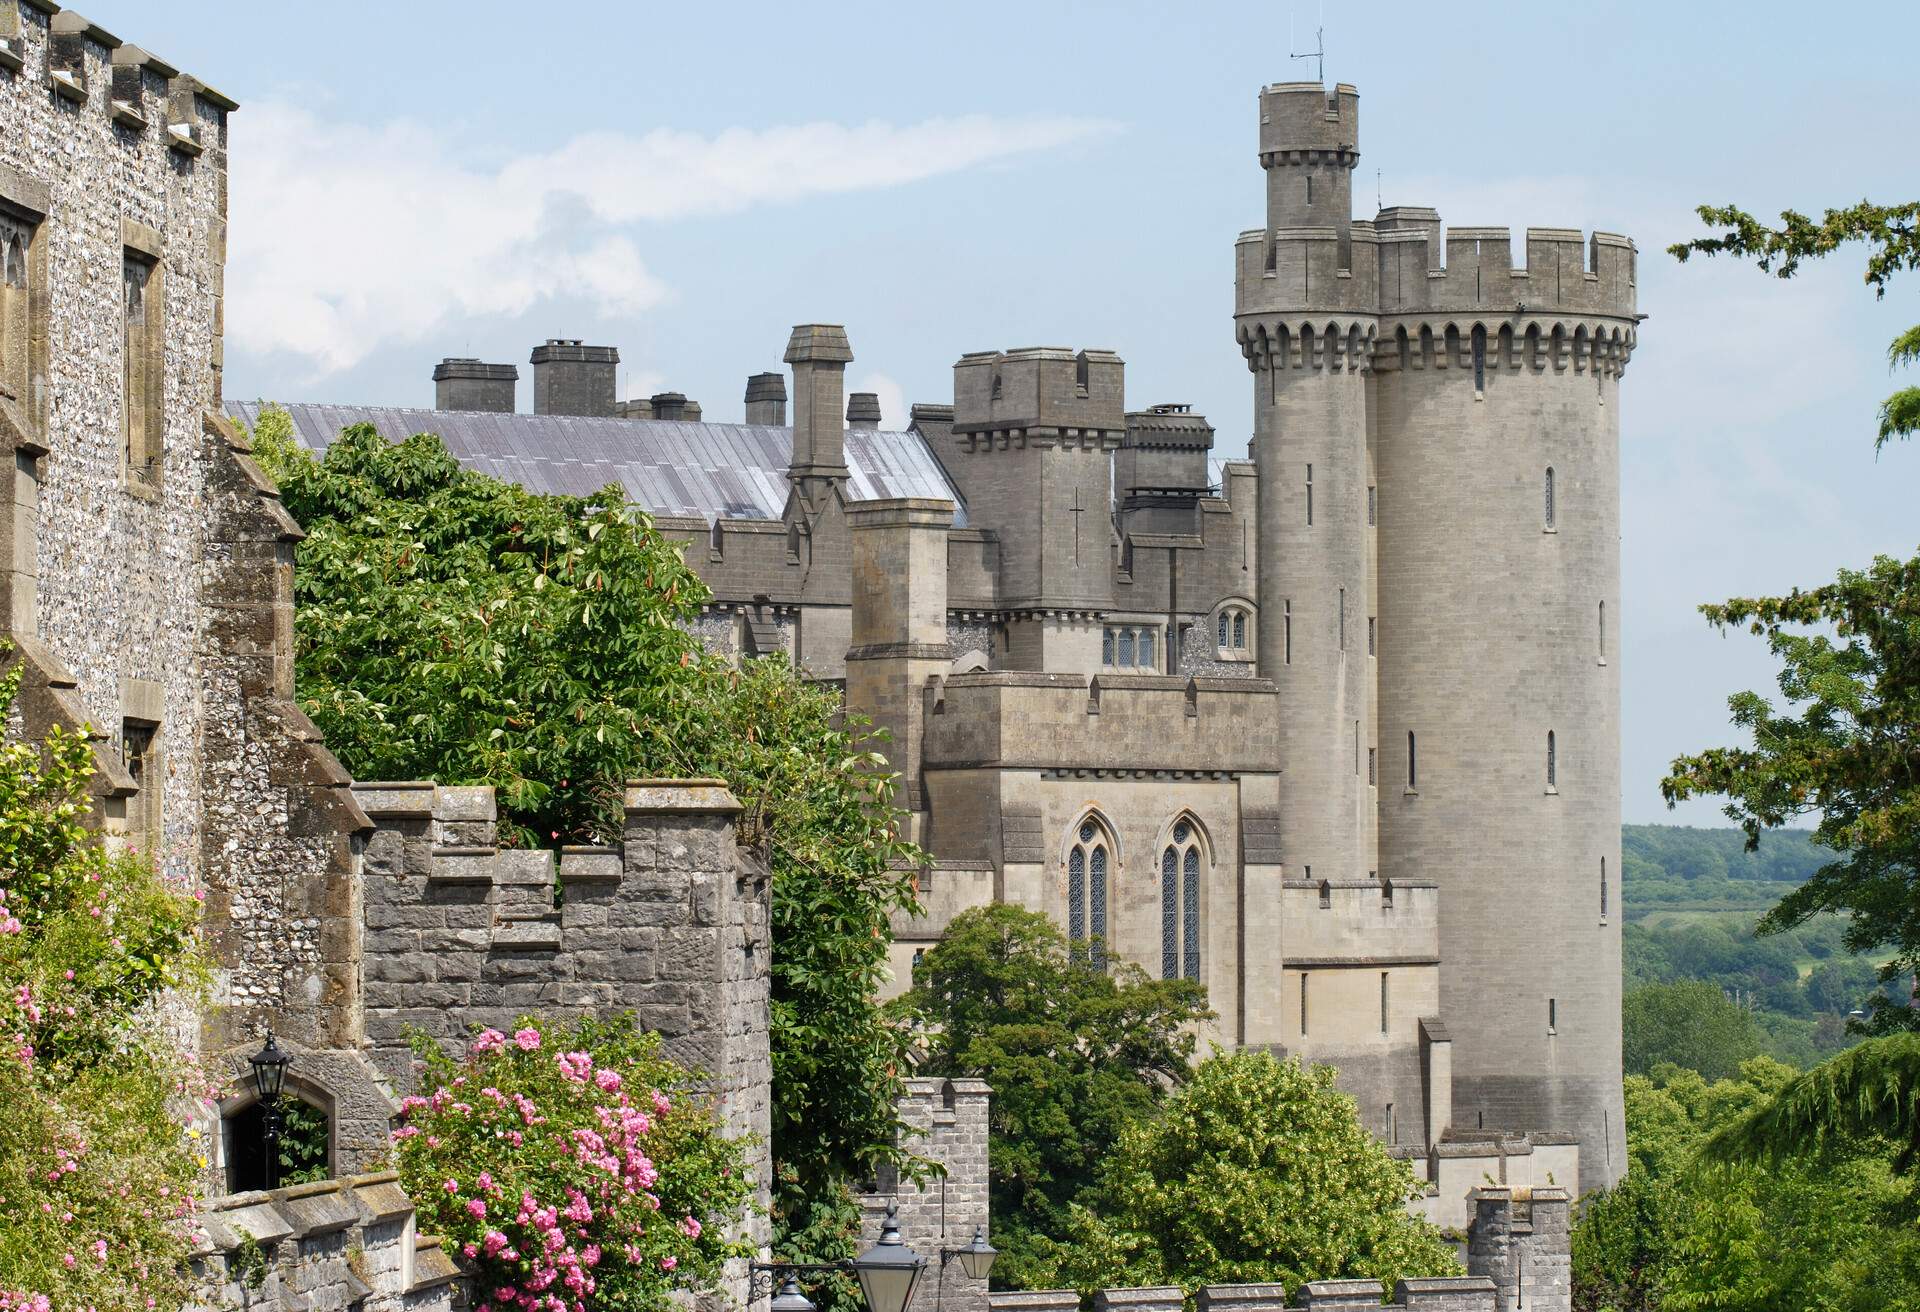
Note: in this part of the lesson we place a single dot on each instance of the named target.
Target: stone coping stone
(1142, 1297)
(591, 863)
(1341, 1294)
(523, 865)
(1244, 1298)
(1035, 1300)
(678, 796)
(411, 797)
(527, 935)
(432, 1265)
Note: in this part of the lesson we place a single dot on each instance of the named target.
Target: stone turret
(1032, 437)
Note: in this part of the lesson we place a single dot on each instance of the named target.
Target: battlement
(1365, 922)
(1171, 426)
(1405, 264)
(945, 1123)
(1043, 391)
(1136, 723)
(81, 63)
(1304, 119)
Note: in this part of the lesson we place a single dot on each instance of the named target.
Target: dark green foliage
(1831, 1232)
(303, 1145)
(1684, 868)
(1872, 1091)
(454, 627)
(1074, 1056)
(1256, 1171)
(1688, 1024)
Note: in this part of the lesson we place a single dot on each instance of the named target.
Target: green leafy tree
(98, 1167)
(1832, 1232)
(1872, 1090)
(1891, 234)
(1691, 1024)
(1255, 1171)
(1074, 1054)
(455, 627)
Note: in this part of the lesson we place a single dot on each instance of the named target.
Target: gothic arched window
(1230, 627)
(1088, 862)
(1180, 903)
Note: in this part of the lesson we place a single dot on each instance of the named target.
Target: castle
(1333, 730)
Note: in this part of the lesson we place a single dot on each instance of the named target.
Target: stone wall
(322, 1247)
(671, 925)
(947, 1126)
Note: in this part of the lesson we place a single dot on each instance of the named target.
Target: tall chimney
(767, 400)
(465, 384)
(819, 355)
(669, 405)
(899, 622)
(573, 379)
(863, 410)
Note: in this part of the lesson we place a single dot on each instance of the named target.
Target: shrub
(573, 1168)
(97, 1155)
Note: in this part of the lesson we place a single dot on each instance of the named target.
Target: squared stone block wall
(947, 1125)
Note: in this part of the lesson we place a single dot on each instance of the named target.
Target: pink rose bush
(101, 1138)
(571, 1169)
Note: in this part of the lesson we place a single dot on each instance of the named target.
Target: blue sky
(686, 182)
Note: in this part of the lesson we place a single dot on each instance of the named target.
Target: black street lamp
(888, 1273)
(269, 1077)
(976, 1259)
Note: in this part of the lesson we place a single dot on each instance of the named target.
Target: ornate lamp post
(269, 1077)
(976, 1259)
(888, 1273)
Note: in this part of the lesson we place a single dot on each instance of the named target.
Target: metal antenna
(1378, 203)
(1319, 53)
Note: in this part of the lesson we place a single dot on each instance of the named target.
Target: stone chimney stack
(767, 400)
(863, 410)
(819, 354)
(899, 621)
(570, 378)
(673, 405)
(464, 384)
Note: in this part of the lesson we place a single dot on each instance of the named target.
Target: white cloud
(346, 237)
(893, 399)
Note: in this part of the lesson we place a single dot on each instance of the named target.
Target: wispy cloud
(347, 237)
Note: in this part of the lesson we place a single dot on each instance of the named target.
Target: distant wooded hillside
(1671, 867)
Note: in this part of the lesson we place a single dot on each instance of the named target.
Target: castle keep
(1333, 730)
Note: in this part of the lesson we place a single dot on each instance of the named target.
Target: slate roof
(728, 471)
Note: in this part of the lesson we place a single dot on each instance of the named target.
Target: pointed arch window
(1180, 868)
(1088, 862)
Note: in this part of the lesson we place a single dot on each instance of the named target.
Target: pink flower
(669, 1262)
(492, 1243)
(451, 1186)
(476, 1209)
(528, 1040)
(575, 1065)
(607, 1079)
(490, 1040)
(100, 1249)
(660, 1104)
(691, 1227)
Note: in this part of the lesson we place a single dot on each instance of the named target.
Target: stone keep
(1446, 402)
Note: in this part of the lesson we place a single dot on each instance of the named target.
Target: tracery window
(1180, 903)
(1130, 647)
(1088, 861)
(1230, 628)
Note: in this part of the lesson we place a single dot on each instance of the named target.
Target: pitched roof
(714, 471)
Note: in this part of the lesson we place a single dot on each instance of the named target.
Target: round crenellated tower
(1460, 409)
(1497, 442)
(1307, 337)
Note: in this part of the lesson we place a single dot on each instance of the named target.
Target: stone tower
(1461, 415)
(1310, 444)
(1033, 438)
